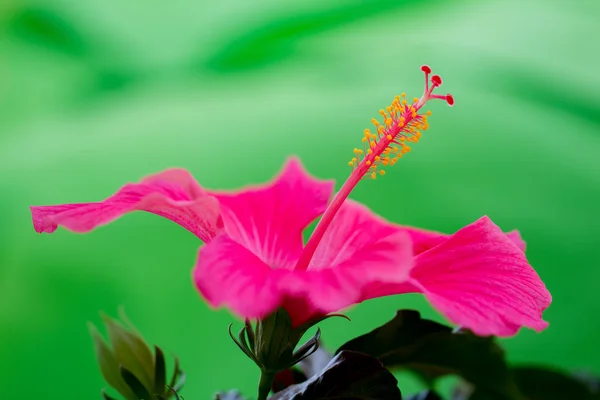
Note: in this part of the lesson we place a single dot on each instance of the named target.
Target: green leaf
(348, 375)
(109, 367)
(107, 397)
(134, 383)
(131, 351)
(539, 383)
(591, 381)
(434, 350)
(306, 368)
(307, 349)
(160, 378)
(177, 379)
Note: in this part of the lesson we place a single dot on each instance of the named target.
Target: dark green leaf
(549, 384)
(308, 367)
(109, 367)
(107, 397)
(349, 375)
(250, 334)
(242, 344)
(160, 378)
(307, 348)
(178, 378)
(591, 381)
(426, 395)
(134, 383)
(433, 350)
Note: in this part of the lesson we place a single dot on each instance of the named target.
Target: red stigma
(449, 99)
(426, 69)
(436, 80)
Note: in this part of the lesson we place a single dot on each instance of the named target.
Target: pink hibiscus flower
(254, 259)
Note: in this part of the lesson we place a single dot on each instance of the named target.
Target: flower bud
(130, 367)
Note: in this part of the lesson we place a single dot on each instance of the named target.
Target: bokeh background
(97, 93)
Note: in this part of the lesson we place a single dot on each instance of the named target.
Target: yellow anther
(401, 124)
(373, 175)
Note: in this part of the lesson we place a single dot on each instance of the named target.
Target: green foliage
(349, 375)
(130, 367)
(433, 350)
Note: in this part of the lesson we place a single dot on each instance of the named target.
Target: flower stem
(265, 383)
(323, 224)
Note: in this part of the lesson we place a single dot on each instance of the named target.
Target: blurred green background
(94, 94)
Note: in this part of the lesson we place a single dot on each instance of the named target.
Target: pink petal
(515, 237)
(358, 249)
(173, 194)
(269, 220)
(424, 240)
(480, 279)
(229, 274)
